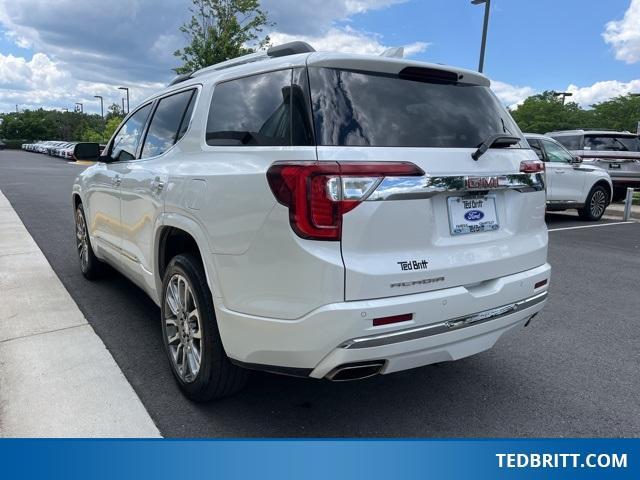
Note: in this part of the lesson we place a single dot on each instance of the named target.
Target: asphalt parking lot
(575, 371)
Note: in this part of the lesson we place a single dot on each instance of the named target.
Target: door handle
(157, 185)
(116, 181)
(561, 171)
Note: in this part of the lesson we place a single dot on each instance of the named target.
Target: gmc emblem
(481, 183)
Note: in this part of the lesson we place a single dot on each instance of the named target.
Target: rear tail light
(318, 194)
(532, 166)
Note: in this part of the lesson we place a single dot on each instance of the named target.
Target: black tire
(596, 204)
(90, 266)
(216, 376)
(619, 194)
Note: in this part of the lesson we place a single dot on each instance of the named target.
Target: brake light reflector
(318, 194)
(393, 319)
(539, 284)
(532, 166)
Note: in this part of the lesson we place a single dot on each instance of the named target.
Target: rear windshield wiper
(497, 140)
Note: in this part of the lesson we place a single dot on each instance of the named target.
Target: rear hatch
(457, 222)
(617, 153)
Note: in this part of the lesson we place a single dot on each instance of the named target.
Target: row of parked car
(69, 150)
(52, 147)
(56, 148)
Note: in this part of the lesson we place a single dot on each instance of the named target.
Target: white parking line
(589, 226)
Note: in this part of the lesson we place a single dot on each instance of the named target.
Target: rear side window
(165, 128)
(368, 109)
(266, 109)
(555, 153)
(570, 142)
(125, 143)
(613, 143)
(535, 146)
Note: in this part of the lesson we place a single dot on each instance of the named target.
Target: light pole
(564, 95)
(81, 107)
(101, 105)
(127, 89)
(487, 7)
(637, 95)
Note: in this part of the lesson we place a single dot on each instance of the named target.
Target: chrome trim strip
(443, 327)
(408, 188)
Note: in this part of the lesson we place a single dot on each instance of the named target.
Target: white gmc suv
(322, 215)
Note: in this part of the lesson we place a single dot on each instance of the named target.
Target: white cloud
(315, 17)
(42, 82)
(347, 40)
(89, 48)
(511, 95)
(601, 91)
(624, 35)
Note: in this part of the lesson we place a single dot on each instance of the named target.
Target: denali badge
(413, 265)
(482, 183)
(426, 281)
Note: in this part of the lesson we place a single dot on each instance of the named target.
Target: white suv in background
(616, 152)
(570, 184)
(320, 214)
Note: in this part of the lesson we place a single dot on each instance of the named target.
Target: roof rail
(291, 48)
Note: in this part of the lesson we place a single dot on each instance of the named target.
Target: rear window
(614, 143)
(367, 109)
(570, 142)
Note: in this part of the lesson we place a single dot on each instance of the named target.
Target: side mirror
(575, 160)
(86, 151)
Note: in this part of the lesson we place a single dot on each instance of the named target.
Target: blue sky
(542, 43)
(56, 52)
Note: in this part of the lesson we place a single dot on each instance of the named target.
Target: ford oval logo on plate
(474, 215)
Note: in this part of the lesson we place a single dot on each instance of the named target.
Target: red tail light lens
(532, 166)
(318, 194)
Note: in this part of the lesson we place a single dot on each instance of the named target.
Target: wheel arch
(606, 185)
(178, 234)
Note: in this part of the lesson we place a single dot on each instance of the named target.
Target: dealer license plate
(472, 214)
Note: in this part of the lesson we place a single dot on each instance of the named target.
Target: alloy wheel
(82, 240)
(182, 328)
(598, 203)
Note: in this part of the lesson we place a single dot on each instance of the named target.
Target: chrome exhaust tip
(355, 371)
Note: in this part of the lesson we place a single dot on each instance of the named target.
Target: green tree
(545, 112)
(220, 30)
(114, 110)
(110, 127)
(620, 113)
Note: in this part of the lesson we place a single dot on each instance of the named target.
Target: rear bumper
(447, 324)
(626, 182)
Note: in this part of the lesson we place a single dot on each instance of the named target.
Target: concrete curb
(616, 210)
(57, 378)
